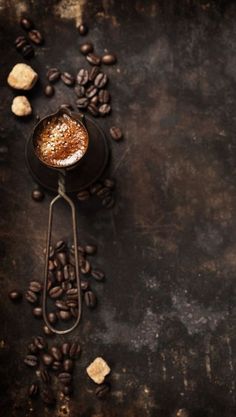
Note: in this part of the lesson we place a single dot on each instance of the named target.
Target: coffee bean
(33, 390)
(62, 258)
(53, 75)
(86, 268)
(68, 365)
(95, 188)
(72, 303)
(65, 348)
(83, 195)
(91, 91)
(64, 315)
(37, 195)
(49, 90)
(66, 272)
(102, 390)
(86, 48)
(44, 376)
(82, 77)
(57, 264)
(27, 51)
(98, 275)
(51, 252)
(20, 42)
(56, 292)
(32, 348)
(72, 292)
(59, 276)
(66, 390)
(108, 202)
(65, 378)
(181, 412)
(109, 59)
(109, 183)
(48, 397)
(61, 305)
(83, 29)
(66, 106)
(56, 366)
(35, 286)
(31, 297)
(84, 285)
(82, 102)
(66, 285)
(79, 91)
(26, 23)
(104, 96)
(52, 318)
(67, 78)
(104, 109)
(75, 350)
(101, 80)
(93, 72)
(35, 36)
(56, 353)
(47, 331)
(92, 108)
(40, 342)
(74, 312)
(60, 246)
(90, 299)
(31, 360)
(103, 192)
(93, 59)
(116, 133)
(37, 312)
(51, 265)
(15, 295)
(47, 359)
(90, 249)
(94, 100)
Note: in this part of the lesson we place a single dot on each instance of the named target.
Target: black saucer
(88, 171)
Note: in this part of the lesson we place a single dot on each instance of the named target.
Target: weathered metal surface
(166, 315)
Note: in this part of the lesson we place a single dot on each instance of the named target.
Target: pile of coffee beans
(22, 42)
(103, 189)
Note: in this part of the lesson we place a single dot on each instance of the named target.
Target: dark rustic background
(166, 315)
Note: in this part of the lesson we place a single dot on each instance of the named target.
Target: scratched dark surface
(166, 316)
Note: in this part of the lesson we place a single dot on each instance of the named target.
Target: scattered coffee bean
(91, 91)
(65, 378)
(56, 366)
(48, 397)
(84, 285)
(56, 292)
(40, 342)
(35, 36)
(86, 48)
(62, 258)
(37, 312)
(182, 412)
(66, 285)
(109, 59)
(37, 195)
(47, 331)
(67, 78)
(61, 305)
(53, 75)
(66, 106)
(31, 297)
(94, 100)
(64, 315)
(56, 353)
(31, 360)
(95, 188)
(59, 276)
(108, 202)
(66, 272)
(109, 183)
(57, 264)
(26, 23)
(82, 77)
(15, 295)
(93, 59)
(90, 249)
(116, 133)
(33, 390)
(75, 350)
(93, 72)
(90, 299)
(104, 96)
(20, 42)
(72, 292)
(102, 390)
(103, 192)
(74, 312)
(93, 110)
(79, 91)
(68, 365)
(98, 275)
(35, 286)
(86, 268)
(83, 29)
(82, 102)
(49, 90)
(72, 304)
(44, 375)
(47, 359)
(104, 109)
(27, 51)
(52, 318)
(60, 246)
(65, 348)
(83, 195)
(101, 80)
(32, 348)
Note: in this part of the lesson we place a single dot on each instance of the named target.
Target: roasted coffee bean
(82, 102)
(56, 366)
(72, 273)
(31, 360)
(31, 297)
(98, 275)
(93, 72)
(35, 36)
(109, 59)
(44, 376)
(65, 378)
(102, 390)
(108, 202)
(93, 59)
(109, 183)
(104, 96)
(64, 315)
(49, 90)
(66, 390)
(86, 268)
(94, 100)
(40, 342)
(103, 192)
(56, 292)
(47, 359)
(37, 195)
(33, 390)
(32, 348)
(101, 80)
(20, 42)
(84, 285)
(68, 365)
(79, 91)
(61, 305)
(83, 195)
(72, 292)
(67, 78)
(90, 299)
(59, 276)
(60, 246)
(82, 77)
(74, 312)
(37, 312)
(51, 265)
(93, 110)
(56, 353)
(181, 412)
(26, 23)
(47, 331)
(95, 188)
(15, 295)
(52, 318)
(75, 350)
(35, 286)
(66, 272)
(91, 91)
(50, 283)
(116, 133)
(104, 109)
(27, 51)
(48, 397)
(66, 285)
(62, 258)
(86, 48)
(66, 106)
(57, 263)
(53, 75)
(72, 303)
(83, 29)
(51, 252)
(65, 348)
(90, 249)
